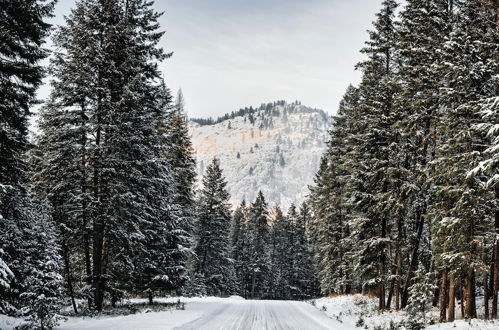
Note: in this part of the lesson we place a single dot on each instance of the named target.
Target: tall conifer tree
(212, 229)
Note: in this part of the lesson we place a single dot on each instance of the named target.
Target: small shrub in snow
(420, 295)
(360, 322)
(180, 305)
(393, 325)
(360, 300)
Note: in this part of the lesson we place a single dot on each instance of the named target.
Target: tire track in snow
(263, 315)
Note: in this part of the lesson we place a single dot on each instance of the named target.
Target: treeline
(254, 253)
(100, 206)
(406, 199)
(266, 108)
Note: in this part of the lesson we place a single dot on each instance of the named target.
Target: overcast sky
(230, 54)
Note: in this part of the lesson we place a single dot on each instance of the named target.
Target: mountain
(275, 148)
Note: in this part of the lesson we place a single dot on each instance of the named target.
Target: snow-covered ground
(7, 322)
(215, 314)
(208, 313)
(357, 312)
(360, 312)
(262, 314)
(336, 313)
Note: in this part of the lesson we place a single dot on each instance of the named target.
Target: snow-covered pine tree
(179, 154)
(485, 20)
(303, 275)
(280, 255)
(211, 235)
(43, 286)
(460, 214)
(487, 170)
(32, 253)
(329, 229)
(420, 296)
(239, 245)
(6, 276)
(372, 183)
(23, 29)
(71, 134)
(111, 166)
(427, 24)
(24, 224)
(162, 263)
(258, 237)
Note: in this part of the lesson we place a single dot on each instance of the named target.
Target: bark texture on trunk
(443, 297)
(452, 300)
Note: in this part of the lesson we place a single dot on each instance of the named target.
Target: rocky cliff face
(275, 149)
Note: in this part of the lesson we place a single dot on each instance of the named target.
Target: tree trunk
(86, 239)
(67, 267)
(452, 299)
(97, 269)
(150, 296)
(468, 296)
(495, 279)
(461, 295)
(399, 268)
(495, 287)
(390, 294)
(381, 293)
(486, 295)
(414, 262)
(473, 295)
(443, 297)
(253, 282)
(436, 280)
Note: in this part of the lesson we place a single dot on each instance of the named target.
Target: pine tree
(304, 273)
(101, 132)
(404, 202)
(426, 24)
(280, 259)
(460, 215)
(180, 152)
(43, 285)
(419, 299)
(239, 245)
(29, 258)
(212, 229)
(329, 229)
(372, 179)
(258, 237)
(23, 29)
(179, 155)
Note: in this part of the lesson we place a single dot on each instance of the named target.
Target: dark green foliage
(406, 193)
(101, 158)
(212, 261)
(30, 283)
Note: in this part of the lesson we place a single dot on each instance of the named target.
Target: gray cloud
(233, 53)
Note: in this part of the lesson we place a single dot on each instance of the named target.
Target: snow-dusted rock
(278, 152)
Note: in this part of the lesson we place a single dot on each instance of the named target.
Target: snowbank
(358, 311)
(362, 312)
(466, 325)
(9, 323)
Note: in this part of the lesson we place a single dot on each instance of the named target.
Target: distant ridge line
(268, 107)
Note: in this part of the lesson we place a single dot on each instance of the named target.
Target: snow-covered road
(217, 314)
(262, 314)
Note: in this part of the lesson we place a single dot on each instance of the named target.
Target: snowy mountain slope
(276, 149)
